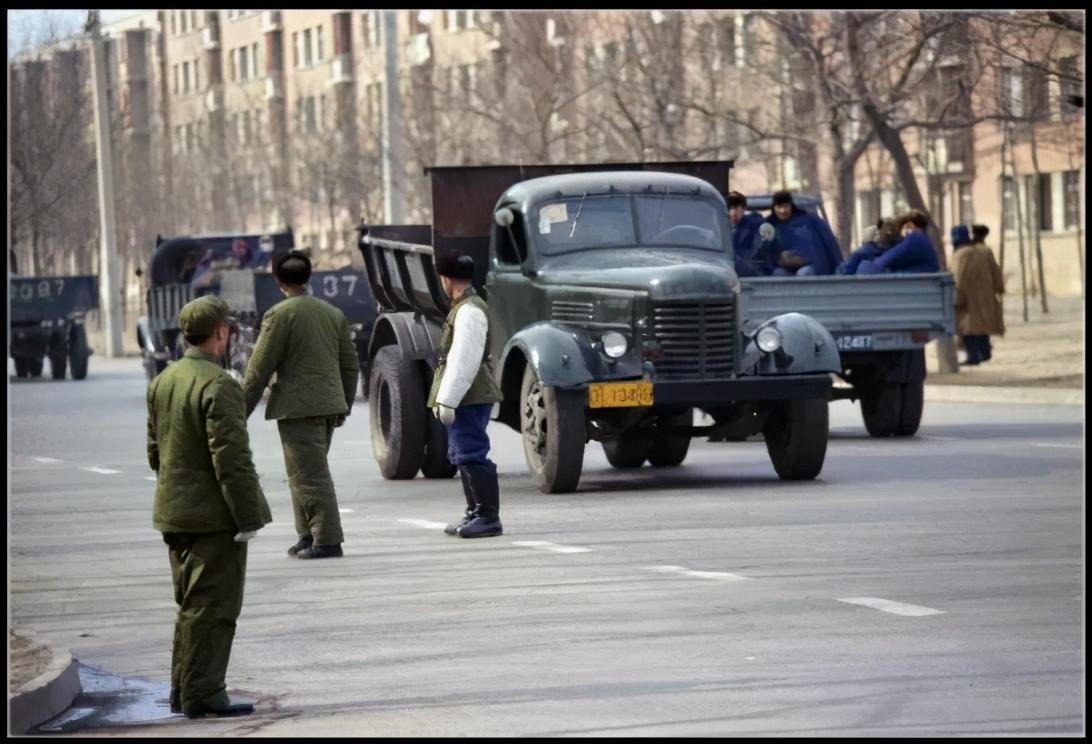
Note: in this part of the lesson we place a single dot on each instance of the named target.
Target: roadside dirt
(27, 660)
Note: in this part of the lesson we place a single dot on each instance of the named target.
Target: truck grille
(698, 340)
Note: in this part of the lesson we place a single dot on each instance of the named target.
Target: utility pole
(393, 163)
(109, 286)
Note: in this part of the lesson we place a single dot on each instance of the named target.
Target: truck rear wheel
(912, 398)
(397, 413)
(35, 366)
(22, 369)
(669, 450)
(881, 406)
(629, 450)
(58, 363)
(436, 464)
(78, 352)
(554, 433)
(796, 437)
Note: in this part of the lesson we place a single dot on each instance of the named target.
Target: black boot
(483, 482)
(471, 504)
(219, 705)
(320, 551)
(304, 543)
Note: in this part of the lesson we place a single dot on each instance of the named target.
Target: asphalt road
(930, 586)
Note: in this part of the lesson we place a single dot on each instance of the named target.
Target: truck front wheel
(22, 368)
(397, 413)
(35, 366)
(554, 433)
(669, 449)
(796, 438)
(58, 362)
(78, 352)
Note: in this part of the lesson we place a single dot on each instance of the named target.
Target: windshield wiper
(572, 231)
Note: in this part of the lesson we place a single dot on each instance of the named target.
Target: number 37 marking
(330, 285)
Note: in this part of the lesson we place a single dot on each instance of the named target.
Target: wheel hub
(534, 420)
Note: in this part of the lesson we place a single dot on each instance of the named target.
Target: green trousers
(208, 571)
(306, 443)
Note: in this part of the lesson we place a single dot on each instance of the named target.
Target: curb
(999, 394)
(47, 695)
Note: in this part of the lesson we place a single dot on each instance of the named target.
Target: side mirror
(504, 217)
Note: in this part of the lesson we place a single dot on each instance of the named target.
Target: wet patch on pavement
(109, 700)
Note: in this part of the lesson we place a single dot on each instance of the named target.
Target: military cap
(455, 265)
(200, 317)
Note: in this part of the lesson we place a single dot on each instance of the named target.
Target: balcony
(341, 70)
(271, 20)
(214, 97)
(210, 38)
(274, 86)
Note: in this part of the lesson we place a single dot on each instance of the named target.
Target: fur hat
(454, 265)
(960, 235)
(887, 232)
(736, 199)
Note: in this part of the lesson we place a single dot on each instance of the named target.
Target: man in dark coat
(208, 504)
(307, 343)
(807, 242)
(979, 286)
(747, 246)
(914, 254)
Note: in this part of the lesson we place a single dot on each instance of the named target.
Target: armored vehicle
(47, 320)
(615, 313)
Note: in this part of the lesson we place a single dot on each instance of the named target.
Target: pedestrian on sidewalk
(307, 343)
(979, 286)
(208, 504)
(462, 396)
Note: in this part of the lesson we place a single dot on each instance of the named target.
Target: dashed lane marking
(1061, 446)
(151, 478)
(345, 511)
(552, 547)
(895, 608)
(104, 471)
(424, 523)
(46, 459)
(684, 571)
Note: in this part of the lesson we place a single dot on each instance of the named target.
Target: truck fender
(413, 334)
(561, 357)
(806, 347)
(145, 339)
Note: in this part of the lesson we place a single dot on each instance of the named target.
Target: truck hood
(663, 274)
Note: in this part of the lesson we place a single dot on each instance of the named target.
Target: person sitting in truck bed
(748, 249)
(211, 265)
(914, 254)
(808, 244)
(878, 238)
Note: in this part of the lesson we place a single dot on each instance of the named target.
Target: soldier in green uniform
(208, 504)
(307, 343)
(462, 396)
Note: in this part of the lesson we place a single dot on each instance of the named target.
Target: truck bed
(877, 312)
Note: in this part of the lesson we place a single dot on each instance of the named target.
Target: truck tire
(436, 464)
(629, 450)
(22, 369)
(58, 363)
(35, 366)
(78, 352)
(881, 406)
(912, 396)
(554, 433)
(796, 438)
(670, 450)
(397, 412)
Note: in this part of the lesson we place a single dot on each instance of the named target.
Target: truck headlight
(769, 339)
(614, 344)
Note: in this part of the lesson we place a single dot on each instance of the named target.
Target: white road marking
(552, 547)
(942, 439)
(104, 471)
(345, 511)
(356, 441)
(895, 608)
(682, 570)
(151, 478)
(1062, 446)
(424, 523)
(46, 459)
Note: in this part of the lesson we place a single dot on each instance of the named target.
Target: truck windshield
(592, 221)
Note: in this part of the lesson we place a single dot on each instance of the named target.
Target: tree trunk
(1039, 219)
(1001, 200)
(1020, 237)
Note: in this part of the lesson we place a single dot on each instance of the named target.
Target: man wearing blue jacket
(914, 254)
(746, 243)
(808, 244)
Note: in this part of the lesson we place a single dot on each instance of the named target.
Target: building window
(371, 29)
(196, 75)
(1036, 93)
(318, 44)
(868, 204)
(750, 27)
(295, 50)
(1072, 185)
(1012, 93)
(966, 203)
(309, 114)
(185, 77)
(244, 67)
(1069, 84)
(193, 19)
(255, 60)
(175, 67)
(307, 60)
(174, 23)
(1008, 204)
(728, 40)
(182, 24)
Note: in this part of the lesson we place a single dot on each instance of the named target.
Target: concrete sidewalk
(1041, 361)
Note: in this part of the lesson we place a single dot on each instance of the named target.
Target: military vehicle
(47, 320)
(880, 323)
(615, 313)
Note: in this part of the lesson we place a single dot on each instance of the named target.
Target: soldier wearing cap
(307, 343)
(462, 396)
(208, 504)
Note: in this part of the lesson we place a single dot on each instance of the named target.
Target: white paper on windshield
(549, 214)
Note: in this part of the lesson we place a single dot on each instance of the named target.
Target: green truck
(615, 312)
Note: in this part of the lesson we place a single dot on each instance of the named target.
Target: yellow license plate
(619, 394)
